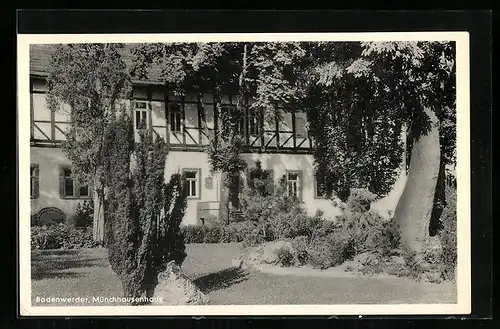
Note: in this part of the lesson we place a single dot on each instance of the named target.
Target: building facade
(283, 147)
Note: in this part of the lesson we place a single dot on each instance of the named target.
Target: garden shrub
(367, 263)
(369, 232)
(300, 244)
(213, 220)
(201, 234)
(61, 236)
(330, 250)
(84, 213)
(323, 229)
(360, 200)
(286, 257)
(236, 232)
(256, 236)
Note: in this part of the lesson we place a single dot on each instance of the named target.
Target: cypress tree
(143, 232)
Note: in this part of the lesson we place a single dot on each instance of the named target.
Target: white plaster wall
(281, 163)
(49, 160)
(177, 161)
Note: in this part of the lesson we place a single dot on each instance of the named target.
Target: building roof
(41, 55)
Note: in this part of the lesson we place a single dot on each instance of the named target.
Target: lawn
(86, 273)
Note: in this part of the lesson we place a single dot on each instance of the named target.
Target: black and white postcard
(244, 174)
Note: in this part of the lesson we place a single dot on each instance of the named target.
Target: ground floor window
(34, 178)
(68, 188)
(192, 177)
(320, 187)
(293, 183)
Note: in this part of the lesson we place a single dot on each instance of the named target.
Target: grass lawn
(86, 273)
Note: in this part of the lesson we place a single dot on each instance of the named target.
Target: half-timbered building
(282, 146)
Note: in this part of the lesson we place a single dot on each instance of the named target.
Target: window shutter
(61, 182)
(36, 179)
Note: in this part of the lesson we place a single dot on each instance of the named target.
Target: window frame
(65, 179)
(146, 110)
(197, 181)
(34, 181)
(241, 126)
(316, 186)
(76, 187)
(301, 133)
(299, 183)
(254, 121)
(175, 111)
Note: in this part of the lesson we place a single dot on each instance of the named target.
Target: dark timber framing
(261, 144)
(150, 108)
(277, 125)
(166, 105)
(293, 127)
(52, 125)
(183, 113)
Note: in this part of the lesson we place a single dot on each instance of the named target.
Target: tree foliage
(89, 82)
(359, 98)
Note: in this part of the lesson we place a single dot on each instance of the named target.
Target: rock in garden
(269, 253)
(367, 258)
(175, 288)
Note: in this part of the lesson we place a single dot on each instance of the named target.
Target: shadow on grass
(59, 252)
(56, 275)
(221, 279)
(46, 268)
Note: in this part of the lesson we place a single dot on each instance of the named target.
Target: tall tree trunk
(414, 209)
(98, 225)
(439, 200)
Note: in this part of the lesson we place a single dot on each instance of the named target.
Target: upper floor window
(235, 117)
(293, 183)
(34, 179)
(192, 177)
(300, 126)
(141, 115)
(68, 188)
(253, 123)
(175, 118)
